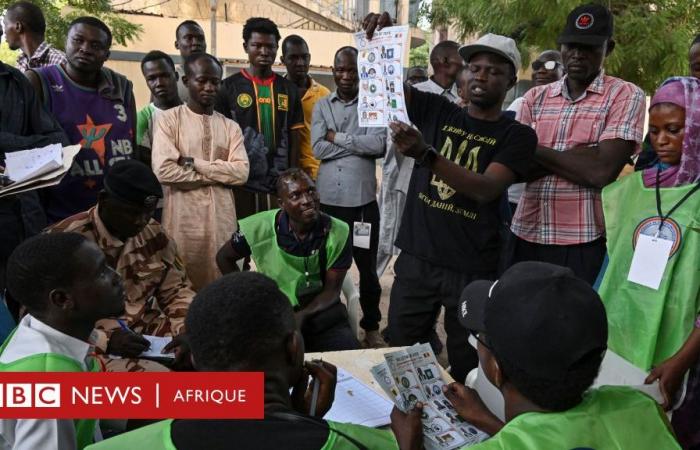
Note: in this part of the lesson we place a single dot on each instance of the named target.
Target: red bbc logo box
(201, 395)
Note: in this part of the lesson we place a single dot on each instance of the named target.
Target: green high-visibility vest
(158, 437)
(607, 418)
(288, 270)
(53, 362)
(647, 326)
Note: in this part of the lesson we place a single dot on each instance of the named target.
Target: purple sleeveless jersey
(103, 128)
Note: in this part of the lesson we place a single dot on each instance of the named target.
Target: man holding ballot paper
(465, 159)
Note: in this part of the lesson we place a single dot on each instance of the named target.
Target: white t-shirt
(450, 94)
(515, 191)
(33, 337)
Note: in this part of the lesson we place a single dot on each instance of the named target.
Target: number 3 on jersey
(121, 112)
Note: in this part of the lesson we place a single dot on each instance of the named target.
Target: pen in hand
(126, 328)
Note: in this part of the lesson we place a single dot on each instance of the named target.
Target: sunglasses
(549, 65)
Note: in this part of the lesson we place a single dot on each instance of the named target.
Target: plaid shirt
(554, 210)
(45, 55)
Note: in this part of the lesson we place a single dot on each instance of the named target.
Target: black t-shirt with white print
(440, 225)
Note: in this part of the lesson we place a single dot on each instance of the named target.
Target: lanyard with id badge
(361, 233)
(651, 253)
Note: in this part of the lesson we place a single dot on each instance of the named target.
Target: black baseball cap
(133, 182)
(588, 25)
(538, 316)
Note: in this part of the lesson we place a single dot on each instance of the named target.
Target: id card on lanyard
(361, 233)
(651, 253)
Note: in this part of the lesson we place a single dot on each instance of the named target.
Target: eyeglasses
(549, 65)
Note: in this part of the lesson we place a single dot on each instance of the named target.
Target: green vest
(607, 418)
(53, 362)
(157, 437)
(647, 326)
(288, 270)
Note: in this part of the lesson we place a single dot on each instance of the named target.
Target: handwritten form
(25, 164)
(356, 403)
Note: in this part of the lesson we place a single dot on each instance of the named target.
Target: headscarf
(684, 92)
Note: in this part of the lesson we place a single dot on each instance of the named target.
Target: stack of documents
(37, 168)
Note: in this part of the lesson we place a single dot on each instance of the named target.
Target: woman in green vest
(652, 221)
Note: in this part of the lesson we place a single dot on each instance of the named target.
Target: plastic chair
(352, 302)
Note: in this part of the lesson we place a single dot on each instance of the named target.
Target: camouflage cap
(133, 182)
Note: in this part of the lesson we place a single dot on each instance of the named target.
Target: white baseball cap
(493, 43)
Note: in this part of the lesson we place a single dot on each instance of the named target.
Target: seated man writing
(307, 253)
(57, 279)
(157, 288)
(264, 339)
(542, 334)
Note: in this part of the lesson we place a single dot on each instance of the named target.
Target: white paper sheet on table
(356, 403)
(157, 346)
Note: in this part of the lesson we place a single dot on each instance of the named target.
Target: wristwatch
(427, 158)
(189, 164)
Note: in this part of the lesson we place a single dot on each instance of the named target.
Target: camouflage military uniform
(156, 284)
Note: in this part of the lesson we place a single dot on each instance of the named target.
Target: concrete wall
(240, 10)
(159, 34)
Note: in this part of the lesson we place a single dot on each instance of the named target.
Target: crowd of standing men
(275, 170)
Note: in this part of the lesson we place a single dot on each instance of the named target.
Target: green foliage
(652, 38)
(6, 55)
(419, 56)
(57, 23)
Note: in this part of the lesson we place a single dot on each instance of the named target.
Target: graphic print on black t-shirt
(440, 225)
(464, 148)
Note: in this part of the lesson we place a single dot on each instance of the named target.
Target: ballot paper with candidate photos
(413, 375)
(380, 65)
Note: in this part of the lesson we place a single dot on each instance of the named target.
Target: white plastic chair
(352, 303)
